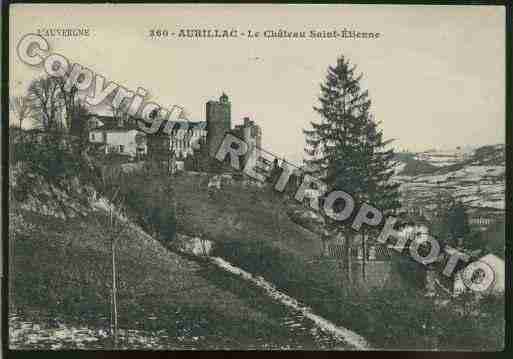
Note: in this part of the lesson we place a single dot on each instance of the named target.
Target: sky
(435, 75)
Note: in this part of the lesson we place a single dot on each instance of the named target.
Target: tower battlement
(218, 116)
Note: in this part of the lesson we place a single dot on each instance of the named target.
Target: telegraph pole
(363, 254)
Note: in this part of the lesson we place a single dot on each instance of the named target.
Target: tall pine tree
(346, 148)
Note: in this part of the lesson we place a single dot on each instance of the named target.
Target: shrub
(47, 154)
(150, 200)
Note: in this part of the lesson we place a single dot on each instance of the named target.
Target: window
(372, 253)
(92, 136)
(121, 148)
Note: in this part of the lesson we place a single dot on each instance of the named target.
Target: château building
(174, 141)
(251, 133)
(186, 137)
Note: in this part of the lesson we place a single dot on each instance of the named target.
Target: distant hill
(410, 166)
(477, 178)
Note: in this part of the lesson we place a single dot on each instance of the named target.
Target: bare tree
(45, 99)
(115, 227)
(21, 106)
(52, 98)
(69, 99)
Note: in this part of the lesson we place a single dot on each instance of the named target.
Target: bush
(49, 155)
(150, 200)
(410, 271)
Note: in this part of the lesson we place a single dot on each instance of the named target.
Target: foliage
(150, 200)
(78, 125)
(410, 271)
(452, 221)
(490, 240)
(48, 155)
(458, 222)
(47, 99)
(346, 148)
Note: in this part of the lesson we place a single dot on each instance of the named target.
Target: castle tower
(218, 114)
(251, 133)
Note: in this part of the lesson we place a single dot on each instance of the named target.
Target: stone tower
(219, 122)
(251, 133)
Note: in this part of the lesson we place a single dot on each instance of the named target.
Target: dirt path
(327, 334)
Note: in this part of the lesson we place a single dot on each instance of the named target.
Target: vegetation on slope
(62, 273)
(60, 269)
(250, 228)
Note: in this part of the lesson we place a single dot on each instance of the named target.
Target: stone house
(114, 135)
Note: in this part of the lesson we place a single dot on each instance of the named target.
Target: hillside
(250, 227)
(60, 299)
(61, 274)
(477, 179)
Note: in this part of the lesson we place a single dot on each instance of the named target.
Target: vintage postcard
(256, 177)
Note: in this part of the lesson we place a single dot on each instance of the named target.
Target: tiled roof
(111, 124)
(201, 125)
(115, 127)
(191, 124)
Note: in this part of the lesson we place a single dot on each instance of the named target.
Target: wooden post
(349, 267)
(114, 294)
(114, 289)
(11, 274)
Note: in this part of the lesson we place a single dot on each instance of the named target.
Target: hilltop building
(482, 218)
(219, 121)
(181, 141)
(185, 141)
(115, 135)
(188, 141)
(251, 133)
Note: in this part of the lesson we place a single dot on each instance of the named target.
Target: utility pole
(348, 253)
(363, 255)
(114, 288)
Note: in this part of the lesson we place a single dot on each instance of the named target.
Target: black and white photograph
(267, 177)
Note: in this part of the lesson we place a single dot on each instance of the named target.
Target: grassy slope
(252, 230)
(240, 214)
(62, 270)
